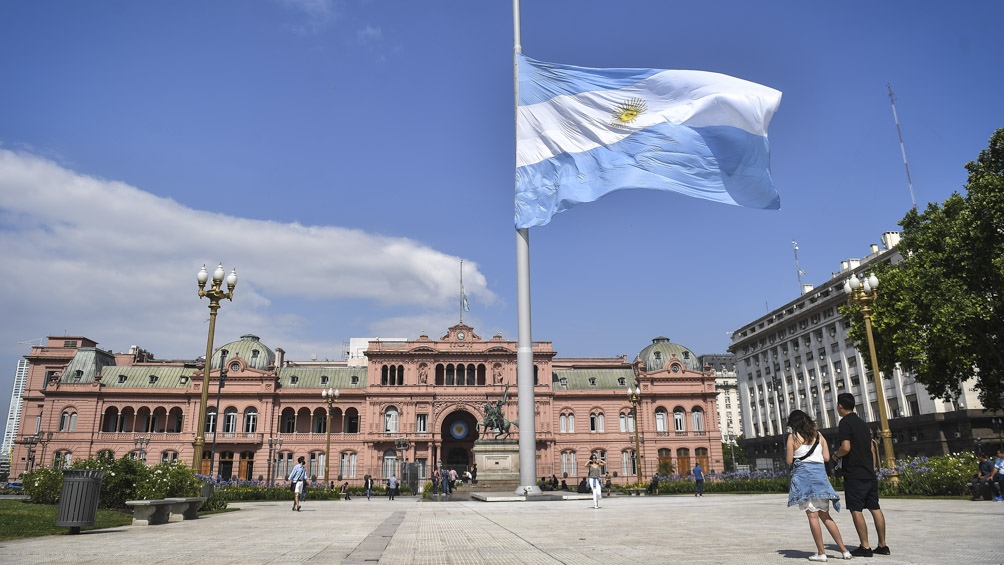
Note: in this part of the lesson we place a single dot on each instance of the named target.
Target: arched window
(352, 421)
(683, 461)
(143, 420)
(679, 420)
(283, 465)
(660, 420)
(347, 465)
(697, 416)
(251, 420)
(596, 422)
(627, 422)
(563, 423)
(61, 459)
(701, 455)
(389, 463)
(320, 421)
(391, 375)
(230, 420)
(571, 422)
(288, 421)
(210, 420)
(315, 461)
(175, 420)
(167, 456)
(68, 421)
(628, 463)
(390, 419)
(568, 466)
(111, 421)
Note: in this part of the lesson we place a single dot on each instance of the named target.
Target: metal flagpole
(462, 297)
(524, 346)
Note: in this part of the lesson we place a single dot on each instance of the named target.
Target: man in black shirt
(860, 481)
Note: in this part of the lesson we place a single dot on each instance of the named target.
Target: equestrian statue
(495, 420)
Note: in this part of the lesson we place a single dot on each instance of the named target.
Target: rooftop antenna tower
(800, 272)
(902, 148)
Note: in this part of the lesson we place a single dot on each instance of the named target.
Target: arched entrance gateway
(457, 434)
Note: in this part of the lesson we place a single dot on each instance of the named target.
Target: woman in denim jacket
(809, 488)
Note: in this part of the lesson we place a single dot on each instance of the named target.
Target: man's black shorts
(860, 494)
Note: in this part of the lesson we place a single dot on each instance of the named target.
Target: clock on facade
(461, 336)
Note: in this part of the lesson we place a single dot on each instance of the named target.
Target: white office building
(799, 356)
(13, 413)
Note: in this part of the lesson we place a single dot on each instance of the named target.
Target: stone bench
(185, 508)
(635, 491)
(153, 512)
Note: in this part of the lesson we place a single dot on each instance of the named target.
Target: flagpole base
(529, 490)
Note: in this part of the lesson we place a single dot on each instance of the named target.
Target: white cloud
(319, 13)
(115, 263)
(369, 33)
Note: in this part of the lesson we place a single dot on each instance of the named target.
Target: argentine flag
(583, 133)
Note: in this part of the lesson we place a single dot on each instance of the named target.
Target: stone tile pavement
(748, 529)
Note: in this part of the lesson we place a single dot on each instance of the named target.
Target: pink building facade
(416, 403)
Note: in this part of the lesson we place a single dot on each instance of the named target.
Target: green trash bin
(78, 501)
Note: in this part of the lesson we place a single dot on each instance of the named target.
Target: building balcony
(154, 436)
(236, 437)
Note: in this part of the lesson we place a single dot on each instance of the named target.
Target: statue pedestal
(498, 462)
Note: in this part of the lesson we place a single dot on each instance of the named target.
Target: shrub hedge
(130, 479)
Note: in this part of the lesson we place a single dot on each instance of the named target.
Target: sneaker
(846, 555)
(882, 550)
(820, 557)
(862, 552)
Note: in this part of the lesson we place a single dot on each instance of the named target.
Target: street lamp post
(215, 294)
(274, 444)
(330, 397)
(29, 459)
(732, 448)
(634, 396)
(216, 422)
(43, 439)
(141, 443)
(863, 293)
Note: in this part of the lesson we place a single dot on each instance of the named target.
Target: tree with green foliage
(940, 312)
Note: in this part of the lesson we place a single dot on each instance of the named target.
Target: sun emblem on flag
(628, 111)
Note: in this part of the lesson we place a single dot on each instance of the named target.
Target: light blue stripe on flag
(584, 133)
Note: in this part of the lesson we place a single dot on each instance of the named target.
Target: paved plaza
(747, 529)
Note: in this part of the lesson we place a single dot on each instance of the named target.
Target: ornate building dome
(249, 348)
(656, 355)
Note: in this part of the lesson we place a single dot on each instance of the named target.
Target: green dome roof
(662, 350)
(249, 348)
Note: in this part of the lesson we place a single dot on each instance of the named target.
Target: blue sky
(346, 155)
